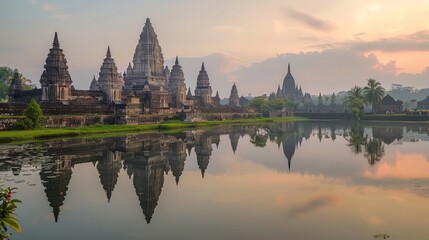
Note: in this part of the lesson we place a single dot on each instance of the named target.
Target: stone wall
(62, 121)
(77, 121)
(8, 123)
(141, 119)
(221, 116)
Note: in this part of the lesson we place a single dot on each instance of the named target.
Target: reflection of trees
(356, 138)
(319, 134)
(259, 137)
(374, 150)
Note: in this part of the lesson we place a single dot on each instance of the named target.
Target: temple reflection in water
(148, 158)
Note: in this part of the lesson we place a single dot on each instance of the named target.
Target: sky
(332, 45)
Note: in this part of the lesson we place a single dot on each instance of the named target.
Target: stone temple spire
(15, 88)
(176, 84)
(189, 95)
(148, 51)
(289, 88)
(56, 43)
(94, 85)
(203, 78)
(203, 91)
(55, 80)
(110, 80)
(234, 99)
(217, 96)
(108, 54)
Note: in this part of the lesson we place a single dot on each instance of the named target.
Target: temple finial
(288, 68)
(108, 54)
(202, 67)
(147, 20)
(177, 61)
(56, 43)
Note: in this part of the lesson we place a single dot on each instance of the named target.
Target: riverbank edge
(9, 136)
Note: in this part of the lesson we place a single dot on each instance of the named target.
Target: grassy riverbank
(47, 133)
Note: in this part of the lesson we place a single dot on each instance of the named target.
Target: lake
(292, 180)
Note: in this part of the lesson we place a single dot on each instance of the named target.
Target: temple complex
(146, 87)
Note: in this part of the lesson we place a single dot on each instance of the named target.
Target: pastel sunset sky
(332, 45)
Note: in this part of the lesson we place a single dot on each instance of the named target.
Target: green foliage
(24, 124)
(277, 103)
(6, 76)
(373, 93)
(259, 137)
(333, 98)
(114, 130)
(260, 103)
(8, 217)
(355, 101)
(34, 114)
(357, 113)
(181, 116)
(326, 100)
(320, 100)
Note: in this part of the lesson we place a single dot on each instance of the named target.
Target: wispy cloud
(227, 28)
(50, 7)
(62, 16)
(418, 41)
(309, 20)
(34, 2)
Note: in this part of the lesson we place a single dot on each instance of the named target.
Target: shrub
(33, 117)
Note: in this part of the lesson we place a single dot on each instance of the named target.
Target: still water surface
(301, 180)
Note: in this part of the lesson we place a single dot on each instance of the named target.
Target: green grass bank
(8, 136)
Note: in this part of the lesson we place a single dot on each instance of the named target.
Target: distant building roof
(388, 100)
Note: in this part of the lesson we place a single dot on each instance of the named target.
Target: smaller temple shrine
(203, 90)
(234, 99)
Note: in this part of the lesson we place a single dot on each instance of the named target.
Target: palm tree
(355, 98)
(413, 101)
(373, 93)
(355, 101)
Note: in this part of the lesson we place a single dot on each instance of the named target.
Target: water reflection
(148, 159)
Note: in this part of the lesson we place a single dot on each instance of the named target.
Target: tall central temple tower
(148, 61)
(147, 78)
(289, 89)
